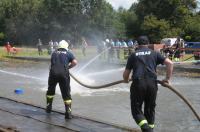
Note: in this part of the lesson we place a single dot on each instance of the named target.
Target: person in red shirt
(8, 47)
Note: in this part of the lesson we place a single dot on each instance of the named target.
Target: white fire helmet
(63, 44)
(107, 40)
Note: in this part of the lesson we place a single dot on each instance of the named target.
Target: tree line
(24, 21)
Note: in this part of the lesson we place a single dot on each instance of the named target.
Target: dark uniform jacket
(143, 62)
(60, 60)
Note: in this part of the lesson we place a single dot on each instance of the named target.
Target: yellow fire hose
(166, 85)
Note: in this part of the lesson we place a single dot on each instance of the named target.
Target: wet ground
(109, 105)
(28, 118)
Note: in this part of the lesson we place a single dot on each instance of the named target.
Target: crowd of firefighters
(174, 52)
(114, 48)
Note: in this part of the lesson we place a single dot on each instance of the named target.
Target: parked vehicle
(192, 45)
(169, 42)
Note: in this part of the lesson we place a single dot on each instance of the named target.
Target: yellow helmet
(63, 44)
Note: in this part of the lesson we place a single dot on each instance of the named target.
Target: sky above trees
(124, 3)
(127, 3)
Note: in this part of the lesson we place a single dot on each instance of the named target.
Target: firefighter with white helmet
(61, 61)
(63, 44)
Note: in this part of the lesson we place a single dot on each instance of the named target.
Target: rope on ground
(166, 85)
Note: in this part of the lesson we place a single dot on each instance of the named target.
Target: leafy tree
(193, 28)
(61, 18)
(171, 13)
(155, 28)
(130, 21)
(100, 16)
(24, 21)
(164, 9)
(19, 18)
(2, 36)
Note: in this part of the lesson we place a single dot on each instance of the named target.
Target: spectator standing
(83, 46)
(125, 47)
(118, 45)
(8, 48)
(109, 44)
(51, 49)
(71, 45)
(39, 46)
(55, 45)
(130, 46)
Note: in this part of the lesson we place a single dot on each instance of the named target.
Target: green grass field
(90, 52)
(33, 52)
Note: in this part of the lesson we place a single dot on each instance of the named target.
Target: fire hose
(166, 85)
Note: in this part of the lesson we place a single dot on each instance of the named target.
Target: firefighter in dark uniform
(177, 52)
(61, 61)
(143, 63)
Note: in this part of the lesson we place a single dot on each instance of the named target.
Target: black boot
(49, 104)
(146, 128)
(68, 113)
(49, 108)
